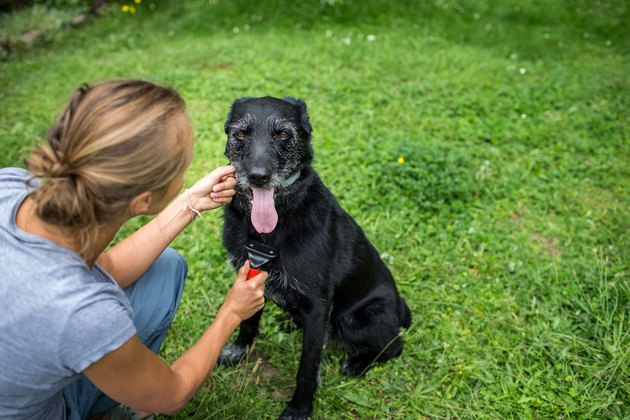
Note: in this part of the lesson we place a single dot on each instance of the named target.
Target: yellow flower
(132, 9)
(401, 159)
(125, 8)
(137, 1)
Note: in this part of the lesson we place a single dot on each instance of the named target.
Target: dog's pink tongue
(264, 215)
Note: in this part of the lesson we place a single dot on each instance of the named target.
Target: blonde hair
(113, 141)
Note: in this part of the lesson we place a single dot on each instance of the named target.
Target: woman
(77, 321)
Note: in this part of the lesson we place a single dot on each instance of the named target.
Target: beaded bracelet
(193, 212)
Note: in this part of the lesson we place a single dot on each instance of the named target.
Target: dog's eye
(240, 135)
(283, 135)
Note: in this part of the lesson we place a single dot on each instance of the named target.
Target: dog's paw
(232, 354)
(294, 412)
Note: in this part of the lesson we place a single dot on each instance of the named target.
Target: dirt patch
(549, 245)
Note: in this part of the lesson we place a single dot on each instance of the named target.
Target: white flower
(522, 70)
(371, 38)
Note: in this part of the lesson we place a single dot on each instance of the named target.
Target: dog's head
(268, 140)
(268, 143)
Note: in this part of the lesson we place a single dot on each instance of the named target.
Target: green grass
(507, 226)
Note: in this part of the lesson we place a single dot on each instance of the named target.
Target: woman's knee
(156, 295)
(171, 261)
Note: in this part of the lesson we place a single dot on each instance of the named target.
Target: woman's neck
(28, 220)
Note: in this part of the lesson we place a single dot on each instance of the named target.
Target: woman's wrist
(192, 205)
(227, 315)
(198, 197)
(173, 219)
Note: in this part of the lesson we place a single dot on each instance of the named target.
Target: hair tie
(193, 212)
(59, 170)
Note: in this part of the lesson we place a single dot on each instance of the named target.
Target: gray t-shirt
(57, 316)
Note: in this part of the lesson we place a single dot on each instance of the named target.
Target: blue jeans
(154, 298)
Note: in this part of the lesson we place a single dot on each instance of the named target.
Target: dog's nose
(259, 176)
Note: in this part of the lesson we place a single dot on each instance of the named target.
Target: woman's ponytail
(113, 141)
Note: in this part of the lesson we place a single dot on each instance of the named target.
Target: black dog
(326, 275)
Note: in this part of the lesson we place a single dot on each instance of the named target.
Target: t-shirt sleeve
(16, 179)
(99, 325)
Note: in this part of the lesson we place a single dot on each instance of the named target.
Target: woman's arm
(130, 258)
(134, 376)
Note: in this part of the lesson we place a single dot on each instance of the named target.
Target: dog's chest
(284, 289)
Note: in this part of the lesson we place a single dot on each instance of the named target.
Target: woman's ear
(140, 204)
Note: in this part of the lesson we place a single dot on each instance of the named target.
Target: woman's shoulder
(12, 179)
(15, 185)
(13, 173)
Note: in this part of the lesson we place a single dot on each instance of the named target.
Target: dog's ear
(300, 106)
(226, 126)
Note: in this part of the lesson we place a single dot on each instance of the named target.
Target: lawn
(483, 147)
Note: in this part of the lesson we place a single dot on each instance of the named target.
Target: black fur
(327, 276)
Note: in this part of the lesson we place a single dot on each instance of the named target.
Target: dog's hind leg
(361, 363)
(234, 352)
(373, 332)
(405, 314)
(314, 334)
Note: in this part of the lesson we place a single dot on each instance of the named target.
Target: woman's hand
(246, 297)
(213, 190)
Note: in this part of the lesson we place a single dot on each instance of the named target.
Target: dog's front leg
(236, 351)
(314, 334)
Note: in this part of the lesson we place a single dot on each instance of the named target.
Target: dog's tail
(405, 314)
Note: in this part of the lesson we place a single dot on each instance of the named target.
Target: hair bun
(59, 169)
(111, 142)
(60, 202)
(46, 163)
